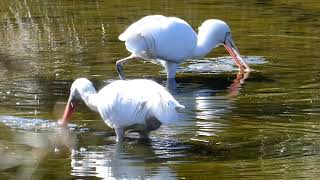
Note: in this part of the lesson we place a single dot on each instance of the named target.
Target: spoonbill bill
(140, 104)
(170, 41)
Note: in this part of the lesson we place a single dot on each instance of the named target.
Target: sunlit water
(262, 125)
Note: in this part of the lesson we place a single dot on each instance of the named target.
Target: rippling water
(262, 125)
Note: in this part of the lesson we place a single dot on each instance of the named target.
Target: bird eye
(225, 38)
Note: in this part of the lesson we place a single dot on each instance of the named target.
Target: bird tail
(122, 37)
(166, 111)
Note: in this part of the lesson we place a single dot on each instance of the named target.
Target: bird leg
(171, 69)
(153, 123)
(144, 134)
(141, 129)
(120, 134)
(171, 85)
(119, 65)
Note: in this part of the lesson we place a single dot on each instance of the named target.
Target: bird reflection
(235, 87)
(108, 161)
(210, 100)
(117, 161)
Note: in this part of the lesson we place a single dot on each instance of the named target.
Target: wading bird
(170, 41)
(142, 105)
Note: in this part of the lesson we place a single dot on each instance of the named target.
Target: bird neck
(204, 45)
(89, 96)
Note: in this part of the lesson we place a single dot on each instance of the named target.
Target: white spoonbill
(140, 104)
(171, 40)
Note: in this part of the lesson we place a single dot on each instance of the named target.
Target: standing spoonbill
(140, 104)
(171, 40)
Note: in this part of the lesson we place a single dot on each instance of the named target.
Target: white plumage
(138, 104)
(171, 40)
(149, 37)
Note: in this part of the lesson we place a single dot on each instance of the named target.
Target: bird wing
(139, 26)
(123, 103)
(139, 36)
(162, 105)
(159, 37)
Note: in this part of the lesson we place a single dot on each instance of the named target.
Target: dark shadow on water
(219, 81)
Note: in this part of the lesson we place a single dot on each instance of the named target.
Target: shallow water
(265, 126)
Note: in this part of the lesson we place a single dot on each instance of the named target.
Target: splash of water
(220, 64)
(15, 122)
(32, 139)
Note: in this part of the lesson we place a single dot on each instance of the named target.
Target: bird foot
(120, 71)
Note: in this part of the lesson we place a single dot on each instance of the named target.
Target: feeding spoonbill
(171, 40)
(140, 104)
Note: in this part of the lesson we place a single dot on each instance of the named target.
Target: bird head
(214, 29)
(77, 87)
(220, 34)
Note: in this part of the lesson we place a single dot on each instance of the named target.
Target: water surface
(264, 127)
